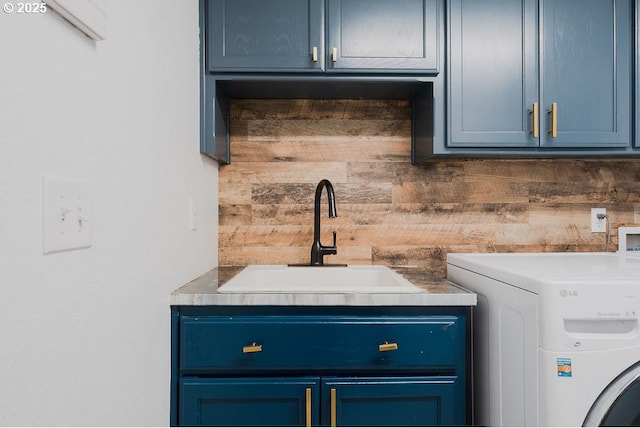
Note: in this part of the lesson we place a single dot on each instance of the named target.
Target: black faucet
(317, 249)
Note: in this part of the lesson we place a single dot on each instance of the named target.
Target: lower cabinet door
(250, 401)
(389, 401)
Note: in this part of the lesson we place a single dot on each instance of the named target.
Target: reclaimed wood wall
(389, 211)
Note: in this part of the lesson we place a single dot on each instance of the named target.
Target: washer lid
(529, 270)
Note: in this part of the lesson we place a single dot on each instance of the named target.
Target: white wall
(84, 334)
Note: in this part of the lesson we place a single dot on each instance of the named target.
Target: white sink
(318, 279)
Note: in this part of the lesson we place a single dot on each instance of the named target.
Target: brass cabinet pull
(554, 120)
(252, 348)
(334, 54)
(314, 54)
(333, 407)
(386, 346)
(534, 120)
(308, 407)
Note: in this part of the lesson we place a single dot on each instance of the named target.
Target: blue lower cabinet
(392, 401)
(320, 366)
(332, 401)
(250, 401)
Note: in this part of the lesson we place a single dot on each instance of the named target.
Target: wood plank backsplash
(389, 211)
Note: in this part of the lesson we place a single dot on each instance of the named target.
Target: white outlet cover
(67, 214)
(596, 224)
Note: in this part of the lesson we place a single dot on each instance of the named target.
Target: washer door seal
(617, 405)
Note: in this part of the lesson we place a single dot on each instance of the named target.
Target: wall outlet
(598, 225)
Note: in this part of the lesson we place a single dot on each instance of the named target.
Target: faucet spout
(318, 251)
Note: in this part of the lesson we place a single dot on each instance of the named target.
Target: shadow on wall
(389, 211)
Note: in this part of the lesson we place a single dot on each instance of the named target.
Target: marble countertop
(437, 291)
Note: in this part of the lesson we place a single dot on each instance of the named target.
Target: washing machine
(556, 337)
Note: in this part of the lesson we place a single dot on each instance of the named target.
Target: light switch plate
(67, 214)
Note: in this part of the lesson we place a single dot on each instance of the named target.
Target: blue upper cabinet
(585, 73)
(493, 72)
(382, 36)
(265, 35)
(363, 36)
(547, 76)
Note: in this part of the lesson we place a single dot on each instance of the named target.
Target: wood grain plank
(265, 236)
(233, 190)
(461, 192)
(549, 234)
(241, 256)
(233, 215)
(300, 130)
(583, 192)
(415, 234)
(399, 172)
(513, 171)
(345, 193)
(579, 213)
(323, 149)
(368, 214)
(317, 109)
(282, 172)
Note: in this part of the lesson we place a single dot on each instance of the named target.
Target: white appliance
(556, 337)
(629, 239)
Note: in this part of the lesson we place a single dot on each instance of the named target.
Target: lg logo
(568, 293)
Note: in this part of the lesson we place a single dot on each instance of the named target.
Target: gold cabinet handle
(554, 120)
(386, 346)
(308, 406)
(252, 348)
(334, 54)
(534, 121)
(314, 54)
(333, 407)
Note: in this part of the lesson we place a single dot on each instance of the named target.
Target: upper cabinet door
(493, 73)
(265, 35)
(382, 36)
(586, 55)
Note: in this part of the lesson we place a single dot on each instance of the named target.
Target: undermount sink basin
(318, 279)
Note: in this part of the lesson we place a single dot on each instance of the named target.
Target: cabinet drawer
(211, 344)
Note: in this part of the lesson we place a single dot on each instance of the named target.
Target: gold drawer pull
(334, 54)
(386, 346)
(314, 54)
(333, 414)
(308, 406)
(252, 348)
